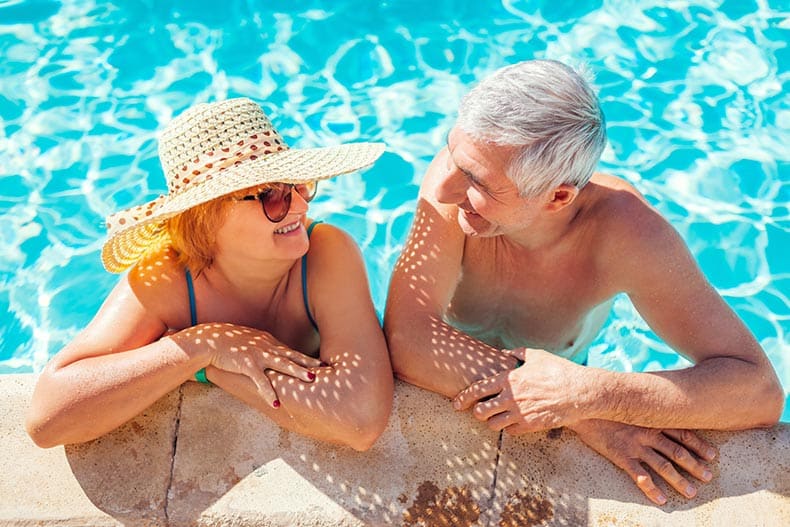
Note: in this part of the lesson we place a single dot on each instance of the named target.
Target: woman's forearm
(346, 404)
(85, 399)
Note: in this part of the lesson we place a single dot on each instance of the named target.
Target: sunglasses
(276, 199)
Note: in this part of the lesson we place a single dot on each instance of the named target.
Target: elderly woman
(231, 284)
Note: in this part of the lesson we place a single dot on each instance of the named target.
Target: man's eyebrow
(468, 174)
(471, 176)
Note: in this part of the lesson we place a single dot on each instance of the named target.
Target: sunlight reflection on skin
(452, 352)
(324, 394)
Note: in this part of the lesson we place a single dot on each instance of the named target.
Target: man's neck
(547, 230)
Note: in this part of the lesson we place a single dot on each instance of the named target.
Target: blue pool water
(695, 94)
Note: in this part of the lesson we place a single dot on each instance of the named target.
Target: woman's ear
(561, 197)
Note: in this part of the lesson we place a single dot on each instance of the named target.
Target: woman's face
(248, 233)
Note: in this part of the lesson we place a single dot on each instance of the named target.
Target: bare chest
(539, 301)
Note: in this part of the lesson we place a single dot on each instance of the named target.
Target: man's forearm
(435, 356)
(719, 393)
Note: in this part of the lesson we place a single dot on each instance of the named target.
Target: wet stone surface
(525, 510)
(433, 507)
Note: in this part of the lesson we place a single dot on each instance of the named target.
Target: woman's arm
(115, 368)
(120, 364)
(349, 401)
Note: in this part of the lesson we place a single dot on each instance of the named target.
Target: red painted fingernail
(276, 403)
(311, 375)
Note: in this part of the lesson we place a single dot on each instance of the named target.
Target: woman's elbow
(41, 434)
(369, 423)
(38, 421)
(49, 425)
(366, 433)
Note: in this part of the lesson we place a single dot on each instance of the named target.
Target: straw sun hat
(212, 150)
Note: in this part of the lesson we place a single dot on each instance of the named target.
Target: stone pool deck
(199, 457)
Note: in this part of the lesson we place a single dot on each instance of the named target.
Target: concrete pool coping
(199, 457)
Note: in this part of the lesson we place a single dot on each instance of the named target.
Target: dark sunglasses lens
(276, 202)
(307, 190)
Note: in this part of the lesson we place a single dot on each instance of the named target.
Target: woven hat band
(206, 166)
(124, 218)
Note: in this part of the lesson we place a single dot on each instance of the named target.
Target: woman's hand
(247, 351)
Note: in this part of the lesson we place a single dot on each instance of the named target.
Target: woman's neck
(256, 283)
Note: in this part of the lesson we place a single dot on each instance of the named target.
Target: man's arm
(731, 386)
(425, 350)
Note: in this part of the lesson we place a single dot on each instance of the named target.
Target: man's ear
(561, 197)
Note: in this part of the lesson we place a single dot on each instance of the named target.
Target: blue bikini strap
(192, 304)
(304, 278)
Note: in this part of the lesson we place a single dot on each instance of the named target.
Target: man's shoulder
(615, 191)
(628, 228)
(617, 204)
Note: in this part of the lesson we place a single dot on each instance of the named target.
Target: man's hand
(664, 451)
(545, 392)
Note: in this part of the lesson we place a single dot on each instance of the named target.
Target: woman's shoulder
(331, 246)
(326, 237)
(157, 267)
(158, 280)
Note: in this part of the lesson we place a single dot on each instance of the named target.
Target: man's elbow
(772, 402)
(400, 340)
(766, 399)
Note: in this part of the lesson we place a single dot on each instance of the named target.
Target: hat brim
(144, 226)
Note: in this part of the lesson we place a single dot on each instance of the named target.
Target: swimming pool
(695, 94)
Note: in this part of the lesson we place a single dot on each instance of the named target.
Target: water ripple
(695, 95)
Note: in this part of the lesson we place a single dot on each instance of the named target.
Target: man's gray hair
(550, 112)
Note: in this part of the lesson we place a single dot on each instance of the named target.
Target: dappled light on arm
(426, 350)
(297, 391)
(325, 408)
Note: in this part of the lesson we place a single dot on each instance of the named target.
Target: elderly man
(515, 254)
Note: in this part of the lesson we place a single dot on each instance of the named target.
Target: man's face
(474, 179)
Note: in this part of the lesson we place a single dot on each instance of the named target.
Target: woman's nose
(298, 203)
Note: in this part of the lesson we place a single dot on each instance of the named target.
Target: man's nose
(452, 186)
